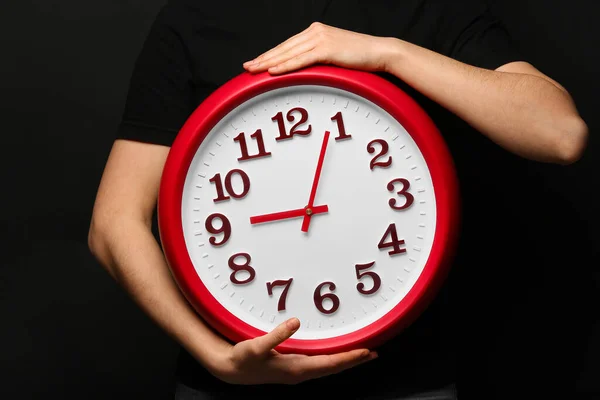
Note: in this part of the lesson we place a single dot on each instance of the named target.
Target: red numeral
(409, 198)
(286, 284)
(225, 229)
(341, 128)
(229, 186)
(241, 139)
(294, 131)
(376, 279)
(384, 150)
(245, 267)
(394, 243)
(319, 298)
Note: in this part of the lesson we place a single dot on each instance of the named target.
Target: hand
(324, 44)
(313, 192)
(255, 361)
(259, 219)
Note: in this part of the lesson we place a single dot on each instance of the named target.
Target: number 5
(376, 279)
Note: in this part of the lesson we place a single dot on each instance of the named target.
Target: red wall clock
(325, 194)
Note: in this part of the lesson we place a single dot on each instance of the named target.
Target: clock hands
(313, 192)
(306, 212)
(259, 219)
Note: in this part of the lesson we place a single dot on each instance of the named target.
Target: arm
(516, 105)
(121, 239)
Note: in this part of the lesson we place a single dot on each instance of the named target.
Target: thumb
(282, 332)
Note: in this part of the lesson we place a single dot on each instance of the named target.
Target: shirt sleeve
(470, 33)
(160, 94)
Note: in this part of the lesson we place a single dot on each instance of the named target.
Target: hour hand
(300, 212)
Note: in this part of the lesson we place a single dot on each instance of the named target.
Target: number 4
(394, 243)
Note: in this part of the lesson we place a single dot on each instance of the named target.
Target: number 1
(341, 128)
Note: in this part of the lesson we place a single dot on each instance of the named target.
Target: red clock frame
(372, 87)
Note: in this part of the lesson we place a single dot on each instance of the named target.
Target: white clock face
(372, 226)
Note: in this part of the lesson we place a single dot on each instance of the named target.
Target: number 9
(225, 229)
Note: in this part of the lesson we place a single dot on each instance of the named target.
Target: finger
(299, 61)
(320, 366)
(283, 46)
(264, 344)
(280, 58)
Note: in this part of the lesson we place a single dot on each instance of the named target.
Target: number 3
(403, 192)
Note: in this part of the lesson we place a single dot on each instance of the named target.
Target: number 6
(319, 298)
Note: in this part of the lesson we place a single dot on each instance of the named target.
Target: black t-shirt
(193, 48)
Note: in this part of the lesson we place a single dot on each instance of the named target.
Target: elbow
(97, 242)
(572, 141)
(94, 237)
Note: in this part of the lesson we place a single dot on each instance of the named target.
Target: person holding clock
(455, 59)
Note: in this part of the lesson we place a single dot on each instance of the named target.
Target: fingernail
(373, 355)
(293, 324)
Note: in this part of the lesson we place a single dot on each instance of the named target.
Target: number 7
(283, 297)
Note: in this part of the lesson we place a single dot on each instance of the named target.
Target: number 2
(385, 147)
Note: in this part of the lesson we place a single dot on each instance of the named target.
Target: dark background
(67, 330)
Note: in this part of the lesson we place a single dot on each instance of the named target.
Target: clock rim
(369, 86)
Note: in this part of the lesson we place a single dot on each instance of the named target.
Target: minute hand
(313, 192)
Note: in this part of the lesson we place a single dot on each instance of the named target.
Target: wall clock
(325, 194)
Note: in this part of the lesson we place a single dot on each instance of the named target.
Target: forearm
(128, 250)
(526, 114)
